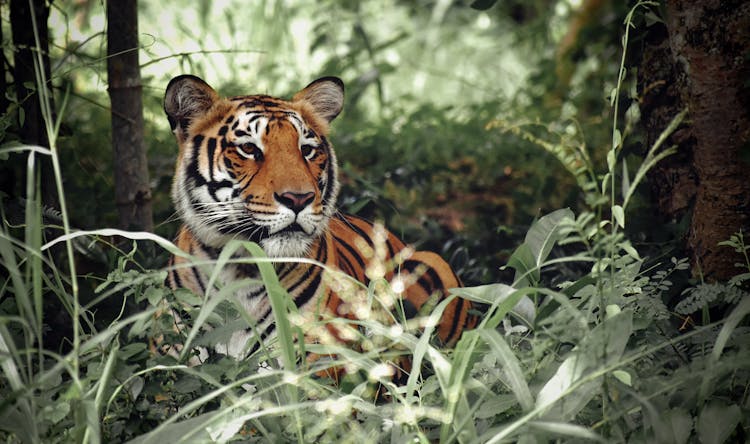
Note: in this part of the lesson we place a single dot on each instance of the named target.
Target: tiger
(260, 168)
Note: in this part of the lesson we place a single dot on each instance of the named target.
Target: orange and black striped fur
(260, 168)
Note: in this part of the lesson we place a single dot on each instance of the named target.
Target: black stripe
(305, 276)
(309, 291)
(213, 187)
(330, 173)
(456, 317)
(422, 280)
(389, 244)
(355, 254)
(196, 275)
(264, 101)
(322, 251)
(174, 276)
(194, 169)
(211, 150)
(437, 283)
(246, 186)
(361, 232)
(312, 285)
(283, 271)
(347, 267)
(264, 334)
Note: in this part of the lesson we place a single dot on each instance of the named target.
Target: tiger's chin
(287, 244)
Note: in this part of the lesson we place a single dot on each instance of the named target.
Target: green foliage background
(424, 80)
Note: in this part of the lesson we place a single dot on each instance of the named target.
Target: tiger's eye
(250, 151)
(308, 151)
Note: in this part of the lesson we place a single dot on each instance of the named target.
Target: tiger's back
(260, 168)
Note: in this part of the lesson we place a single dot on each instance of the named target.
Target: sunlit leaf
(623, 376)
(566, 429)
(619, 215)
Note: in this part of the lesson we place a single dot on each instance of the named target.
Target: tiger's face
(254, 167)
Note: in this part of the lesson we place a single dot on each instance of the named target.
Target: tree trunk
(3, 81)
(673, 180)
(699, 60)
(132, 190)
(709, 42)
(32, 128)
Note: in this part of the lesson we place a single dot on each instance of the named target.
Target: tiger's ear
(186, 97)
(325, 95)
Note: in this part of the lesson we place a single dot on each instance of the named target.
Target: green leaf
(681, 424)
(502, 299)
(127, 351)
(189, 430)
(511, 367)
(625, 181)
(623, 376)
(570, 388)
(279, 298)
(612, 310)
(616, 140)
(187, 297)
(734, 318)
(632, 252)
(717, 421)
(154, 295)
(566, 429)
(20, 424)
(88, 411)
(611, 160)
(619, 215)
(541, 237)
(56, 412)
(652, 18)
(522, 260)
(187, 384)
(135, 387)
(496, 405)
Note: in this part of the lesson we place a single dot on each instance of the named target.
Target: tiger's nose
(294, 201)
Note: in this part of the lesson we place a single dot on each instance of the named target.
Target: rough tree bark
(710, 40)
(701, 60)
(32, 129)
(132, 190)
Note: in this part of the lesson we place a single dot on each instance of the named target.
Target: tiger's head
(254, 167)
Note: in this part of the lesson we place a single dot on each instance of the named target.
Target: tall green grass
(597, 358)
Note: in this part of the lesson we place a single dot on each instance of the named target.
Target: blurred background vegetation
(432, 89)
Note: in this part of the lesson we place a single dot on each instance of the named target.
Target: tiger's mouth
(292, 228)
(291, 241)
